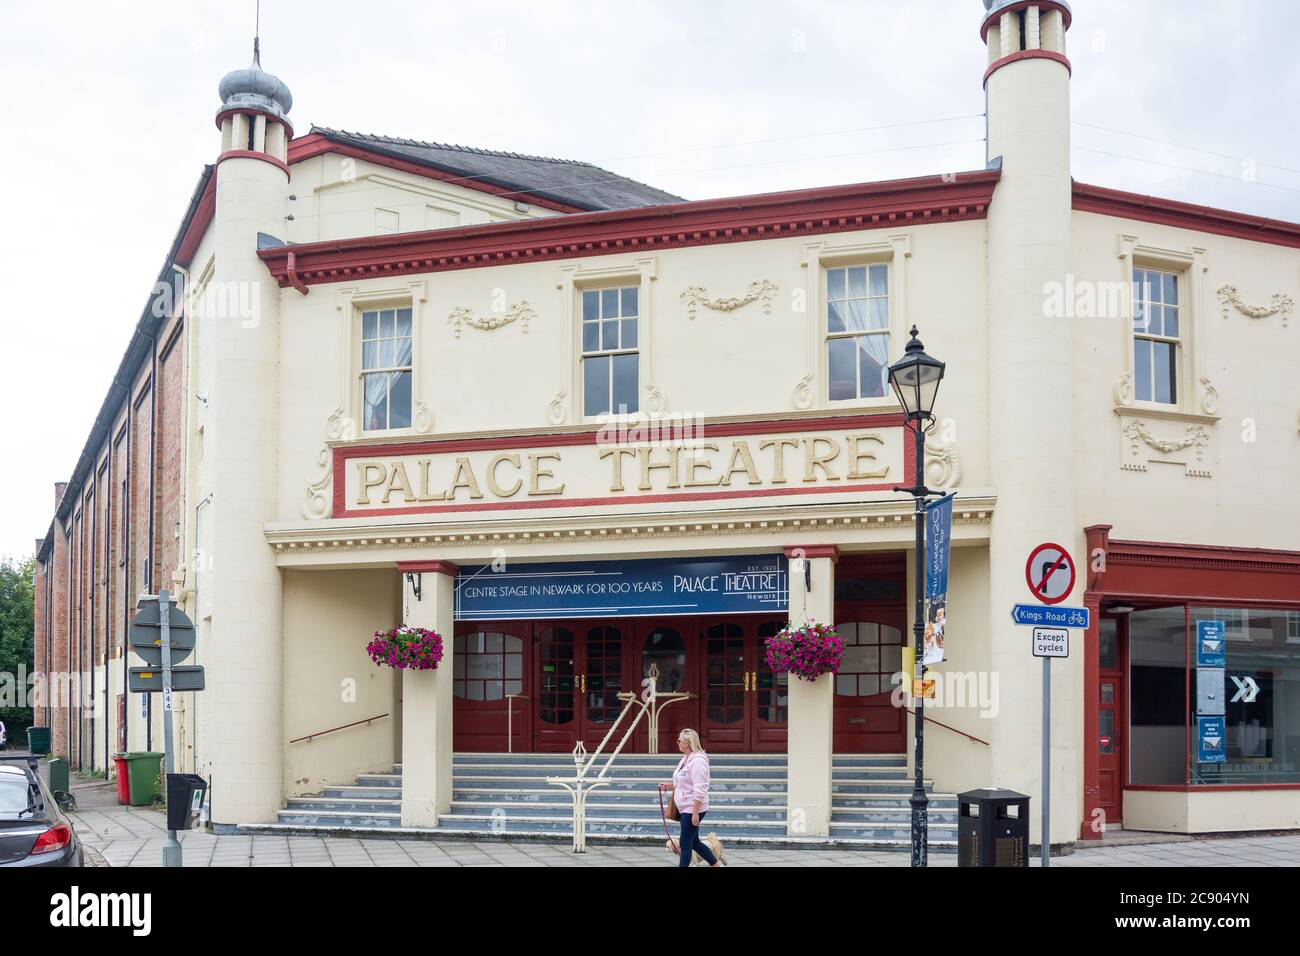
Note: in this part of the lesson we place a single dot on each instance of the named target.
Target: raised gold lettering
(495, 488)
(536, 474)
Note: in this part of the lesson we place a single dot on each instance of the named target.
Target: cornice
(838, 519)
(1170, 212)
(907, 202)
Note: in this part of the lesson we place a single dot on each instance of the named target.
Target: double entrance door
(560, 682)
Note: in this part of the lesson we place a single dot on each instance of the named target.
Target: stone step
(646, 825)
(609, 811)
(605, 795)
(891, 816)
(340, 818)
(446, 832)
(349, 804)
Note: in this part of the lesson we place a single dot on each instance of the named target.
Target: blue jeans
(690, 842)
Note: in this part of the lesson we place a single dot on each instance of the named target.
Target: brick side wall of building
(167, 491)
(57, 714)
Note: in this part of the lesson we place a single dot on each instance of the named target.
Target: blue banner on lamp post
(938, 548)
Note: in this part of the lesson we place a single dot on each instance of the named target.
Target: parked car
(34, 830)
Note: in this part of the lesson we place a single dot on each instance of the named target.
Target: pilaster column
(812, 703)
(427, 696)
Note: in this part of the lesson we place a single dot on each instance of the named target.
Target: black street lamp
(915, 379)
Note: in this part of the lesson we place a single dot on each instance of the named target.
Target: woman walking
(690, 794)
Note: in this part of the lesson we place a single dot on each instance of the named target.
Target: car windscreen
(18, 797)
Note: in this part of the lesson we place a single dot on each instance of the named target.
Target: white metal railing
(650, 703)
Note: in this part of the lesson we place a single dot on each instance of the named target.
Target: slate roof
(564, 180)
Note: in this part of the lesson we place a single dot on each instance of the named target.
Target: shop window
(610, 355)
(386, 369)
(1258, 694)
(1157, 328)
(487, 665)
(1157, 690)
(857, 332)
(873, 654)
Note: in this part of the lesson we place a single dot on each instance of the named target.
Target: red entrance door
(489, 661)
(1112, 639)
(580, 672)
(745, 705)
(555, 686)
(603, 649)
(865, 718)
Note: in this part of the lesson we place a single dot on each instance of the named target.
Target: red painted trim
(1016, 7)
(247, 111)
(813, 551)
(1213, 787)
(905, 202)
(1026, 55)
(433, 567)
(315, 144)
(1170, 212)
(1091, 718)
(343, 454)
(253, 154)
(198, 226)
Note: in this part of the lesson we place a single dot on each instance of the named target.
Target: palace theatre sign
(582, 469)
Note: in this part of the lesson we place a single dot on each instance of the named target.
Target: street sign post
(1050, 574)
(163, 637)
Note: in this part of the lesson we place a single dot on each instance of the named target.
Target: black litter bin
(185, 795)
(992, 828)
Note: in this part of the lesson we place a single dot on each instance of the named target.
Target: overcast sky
(108, 109)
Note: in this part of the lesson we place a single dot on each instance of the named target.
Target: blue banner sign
(1050, 615)
(1211, 740)
(1210, 644)
(938, 549)
(744, 584)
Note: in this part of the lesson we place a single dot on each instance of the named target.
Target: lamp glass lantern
(915, 379)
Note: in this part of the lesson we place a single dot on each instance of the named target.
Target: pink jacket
(691, 782)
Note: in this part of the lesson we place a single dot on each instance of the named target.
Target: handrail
(931, 720)
(322, 733)
(649, 704)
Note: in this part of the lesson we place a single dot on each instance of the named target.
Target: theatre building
(594, 434)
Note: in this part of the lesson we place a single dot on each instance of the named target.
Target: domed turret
(254, 114)
(255, 89)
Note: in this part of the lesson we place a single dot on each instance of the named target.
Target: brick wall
(58, 714)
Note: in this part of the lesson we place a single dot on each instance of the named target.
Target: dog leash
(663, 815)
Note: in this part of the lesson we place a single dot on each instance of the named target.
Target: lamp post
(915, 379)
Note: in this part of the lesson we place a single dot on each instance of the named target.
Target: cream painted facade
(1039, 434)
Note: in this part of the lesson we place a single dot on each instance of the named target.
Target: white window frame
(363, 373)
(572, 278)
(600, 352)
(1141, 294)
(1196, 400)
(813, 391)
(887, 332)
(346, 424)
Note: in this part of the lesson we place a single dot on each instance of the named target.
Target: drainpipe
(198, 617)
(153, 470)
(127, 603)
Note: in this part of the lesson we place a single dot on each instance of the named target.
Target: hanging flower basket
(806, 650)
(406, 647)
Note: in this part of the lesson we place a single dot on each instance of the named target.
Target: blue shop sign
(1210, 644)
(1043, 615)
(747, 584)
(1211, 740)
